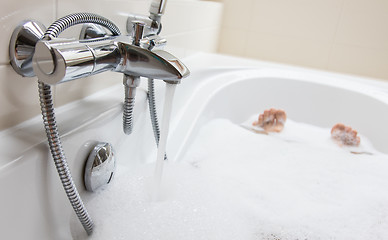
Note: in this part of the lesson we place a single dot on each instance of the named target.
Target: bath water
(236, 184)
(168, 102)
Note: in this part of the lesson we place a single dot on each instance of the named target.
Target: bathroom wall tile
(349, 36)
(177, 45)
(13, 12)
(177, 19)
(357, 60)
(180, 21)
(316, 20)
(185, 44)
(207, 15)
(114, 10)
(19, 98)
(295, 51)
(364, 23)
(180, 16)
(183, 16)
(211, 37)
(233, 41)
(203, 40)
(237, 14)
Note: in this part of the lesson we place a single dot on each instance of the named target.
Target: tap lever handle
(137, 33)
(154, 41)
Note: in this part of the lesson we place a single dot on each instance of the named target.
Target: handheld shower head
(157, 9)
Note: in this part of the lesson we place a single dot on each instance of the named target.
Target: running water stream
(169, 96)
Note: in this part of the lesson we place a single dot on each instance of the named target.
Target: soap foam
(236, 184)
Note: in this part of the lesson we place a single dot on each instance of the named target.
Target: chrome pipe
(131, 83)
(57, 61)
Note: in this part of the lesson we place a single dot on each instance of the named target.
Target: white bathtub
(33, 204)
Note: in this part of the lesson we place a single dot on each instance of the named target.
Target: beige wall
(185, 24)
(348, 36)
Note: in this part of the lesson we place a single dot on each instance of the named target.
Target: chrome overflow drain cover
(100, 166)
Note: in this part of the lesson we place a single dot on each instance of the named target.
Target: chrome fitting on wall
(22, 46)
(60, 60)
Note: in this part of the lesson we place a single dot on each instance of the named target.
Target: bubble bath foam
(236, 184)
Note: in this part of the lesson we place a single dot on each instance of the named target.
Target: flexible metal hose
(130, 85)
(153, 113)
(78, 18)
(47, 107)
(129, 103)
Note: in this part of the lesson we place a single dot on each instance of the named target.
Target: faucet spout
(157, 64)
(59, 60)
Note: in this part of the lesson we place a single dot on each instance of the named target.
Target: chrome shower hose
(153, 113)
(47, 108)
(129, 104)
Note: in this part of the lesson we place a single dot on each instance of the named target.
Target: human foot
(271, 120)
(345, 135)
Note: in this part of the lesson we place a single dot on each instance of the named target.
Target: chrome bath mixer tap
(59, 60)
(35, 51)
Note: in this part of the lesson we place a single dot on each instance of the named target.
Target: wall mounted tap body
(60, 60)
